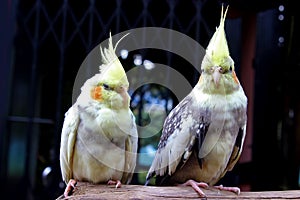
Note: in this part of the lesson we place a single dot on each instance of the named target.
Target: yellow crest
(217, 48)
(112, 70)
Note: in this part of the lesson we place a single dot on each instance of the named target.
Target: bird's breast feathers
(212, 119)
(101, 142)
(99, 117)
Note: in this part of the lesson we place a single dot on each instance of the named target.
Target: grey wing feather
(131, 153)
(237, 149)
(180, 131)
(68, 139)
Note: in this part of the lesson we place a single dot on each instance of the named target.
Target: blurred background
(43, 44)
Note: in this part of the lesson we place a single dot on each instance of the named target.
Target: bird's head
(111, 84)
(217, 68)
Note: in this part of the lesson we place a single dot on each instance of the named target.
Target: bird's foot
(70, 187)
(117, 183)
(196, 186)
(231, 189)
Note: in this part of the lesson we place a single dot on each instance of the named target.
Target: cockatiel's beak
(216, 75)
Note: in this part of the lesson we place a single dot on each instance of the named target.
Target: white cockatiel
(99, 135)
(203, 135)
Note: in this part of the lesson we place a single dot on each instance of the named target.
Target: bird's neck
(208, 86)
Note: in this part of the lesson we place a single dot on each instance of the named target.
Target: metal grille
(52, 39)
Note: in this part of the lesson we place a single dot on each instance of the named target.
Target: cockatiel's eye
(222, 70)
(106, 87)
(225, 70)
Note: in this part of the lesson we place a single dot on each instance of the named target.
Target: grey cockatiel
(203, 135)
(99, 135)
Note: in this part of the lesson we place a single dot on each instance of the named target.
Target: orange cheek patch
(235, 78)
(96, 93)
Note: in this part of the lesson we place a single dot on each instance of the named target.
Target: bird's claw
(231, 189)
(196, 186)
(117, 183)
(70, 187)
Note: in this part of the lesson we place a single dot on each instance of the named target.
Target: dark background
(43, 44)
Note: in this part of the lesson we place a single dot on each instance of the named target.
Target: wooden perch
(86, 191)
